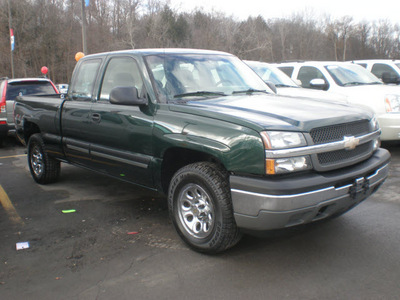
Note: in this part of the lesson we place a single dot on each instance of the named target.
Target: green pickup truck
(202, 128)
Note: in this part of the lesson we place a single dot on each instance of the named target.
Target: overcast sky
(241, 9)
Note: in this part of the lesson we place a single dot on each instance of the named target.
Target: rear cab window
(83, 82)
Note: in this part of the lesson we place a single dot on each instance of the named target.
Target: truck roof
(155, 51)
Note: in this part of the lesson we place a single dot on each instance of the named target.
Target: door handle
(96, 117)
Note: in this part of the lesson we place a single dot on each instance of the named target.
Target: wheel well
(29, 129)
(176, 158)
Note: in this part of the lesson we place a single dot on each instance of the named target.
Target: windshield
(398, 65)
(178, 76)
(269, 73)
(347, 75)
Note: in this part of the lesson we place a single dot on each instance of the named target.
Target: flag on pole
(12, 39)
(87, 2)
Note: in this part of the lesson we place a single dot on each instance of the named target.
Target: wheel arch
(175, 158)
(29, 128)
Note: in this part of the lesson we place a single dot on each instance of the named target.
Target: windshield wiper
(354, 83)
(200, 93)
(250, 91)
(285, 85)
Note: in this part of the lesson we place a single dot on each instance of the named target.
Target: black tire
(44, 169)
(200, 206)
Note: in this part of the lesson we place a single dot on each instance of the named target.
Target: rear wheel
(200, 206)
(43, 168)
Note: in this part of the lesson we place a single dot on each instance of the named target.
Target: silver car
(11, 88)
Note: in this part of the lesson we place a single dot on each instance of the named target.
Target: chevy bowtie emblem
(351, 142)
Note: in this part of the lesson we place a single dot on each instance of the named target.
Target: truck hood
(273, 112)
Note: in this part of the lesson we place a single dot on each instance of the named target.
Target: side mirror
(318, 84)
(126, 95)
(271, 85)
(388, 78)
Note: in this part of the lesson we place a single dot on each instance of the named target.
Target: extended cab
(201, 127)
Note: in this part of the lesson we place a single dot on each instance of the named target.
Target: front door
(122, 134)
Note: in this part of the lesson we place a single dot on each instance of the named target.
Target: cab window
(287, 70)
(83, 83)
(379, 69)
(306, 74)
(123, 72)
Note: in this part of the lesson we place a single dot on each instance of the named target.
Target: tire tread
(52, 166)
(217, 177)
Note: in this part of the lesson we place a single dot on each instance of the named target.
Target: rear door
(121, 135)
(76, 118)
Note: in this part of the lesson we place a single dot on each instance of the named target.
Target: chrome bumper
(256, 208)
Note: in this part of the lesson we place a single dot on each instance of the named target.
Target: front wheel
(200, 206)
(43, 168)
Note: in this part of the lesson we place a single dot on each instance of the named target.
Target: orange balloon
(79, 55)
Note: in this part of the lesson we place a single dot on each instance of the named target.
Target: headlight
(392, 103)
(274, 140)
(282, 139)
(287, 165)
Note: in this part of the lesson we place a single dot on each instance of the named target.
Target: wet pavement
(118, 243)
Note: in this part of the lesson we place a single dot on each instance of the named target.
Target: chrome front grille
(338, 158)
(335, 133)
(334, 157)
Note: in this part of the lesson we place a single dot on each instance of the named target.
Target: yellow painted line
(9, 207)
(12, 156)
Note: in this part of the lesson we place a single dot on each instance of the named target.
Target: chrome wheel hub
(196, 211)
(37, 161)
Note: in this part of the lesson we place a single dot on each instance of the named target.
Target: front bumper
(265, 204)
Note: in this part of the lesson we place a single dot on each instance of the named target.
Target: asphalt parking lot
(92, 237)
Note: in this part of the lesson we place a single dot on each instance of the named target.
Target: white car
(285, 86)
(358, 85)
(386, 69)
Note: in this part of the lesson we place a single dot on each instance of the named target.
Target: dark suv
(11, 88)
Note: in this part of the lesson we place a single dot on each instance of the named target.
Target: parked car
(386, 69)
(356, 83)
(201, 127)
(11, 88)
(285, 86)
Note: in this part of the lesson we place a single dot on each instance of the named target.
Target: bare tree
(338, 32)
(48, 32)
